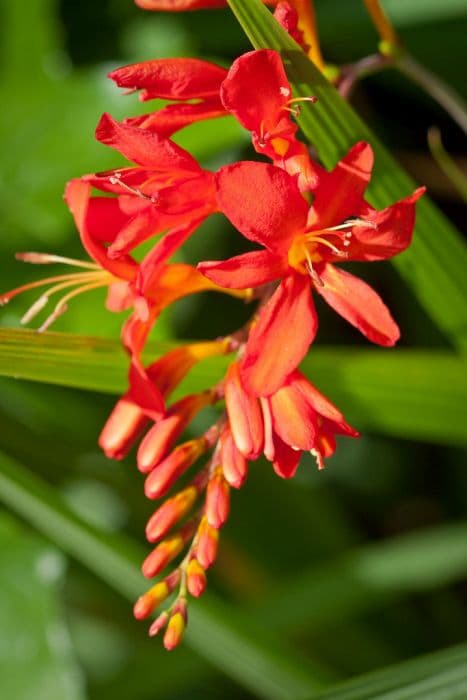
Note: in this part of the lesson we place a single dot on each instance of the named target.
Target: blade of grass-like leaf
(438, 676)
(434, 266)
(366, 578)
(258, 662)
(405, 393)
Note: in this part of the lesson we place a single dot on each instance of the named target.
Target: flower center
(313, 247)
(76, 282)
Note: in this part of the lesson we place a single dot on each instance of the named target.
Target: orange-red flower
(296, 418)
(181, 80)
(301, 243)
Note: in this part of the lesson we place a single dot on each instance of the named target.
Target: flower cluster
(305, 219)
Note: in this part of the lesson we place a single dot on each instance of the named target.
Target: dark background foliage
(310, 559)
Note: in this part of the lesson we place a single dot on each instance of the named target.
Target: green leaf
(439, 676)
(36, 661)
(434, 265)
(368, 577)
(407, 393)
(232, 643)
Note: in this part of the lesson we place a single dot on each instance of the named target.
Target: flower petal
(256, 91)
(263, 202)
(286, 460)
(280, 339)
(293, 418)
(178, 5)
(171, 78)
(77, 197)
(168, 120)
(321, 404)
(243, 271)
(339, 194)
(145, 147)
(390, 232)
(359, 304)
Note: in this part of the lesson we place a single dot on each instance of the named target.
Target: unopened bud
(234, 464)
(162, 478)
(217, 500)
(122, 429)
(170, 513)
(150, 600)
(158, 624)
(162, 555)
(176, 627)
(158, 441)
(244, 414)
(206, 547)
(196, 578)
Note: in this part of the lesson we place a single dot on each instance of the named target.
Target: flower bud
(158, 624)
(122, 429)
(206, 547)
(217, 500)
(160, 438)
(196, 578)
(162, 478)
(150, 600)
(234, 464)
(176, 627)
(244, 415)
(169, 513)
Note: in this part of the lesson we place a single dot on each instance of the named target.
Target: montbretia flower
(257, 92)
(166, 192)
(301, 244)
(180, 80)
(296, 418)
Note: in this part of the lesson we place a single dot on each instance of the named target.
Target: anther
(116, 180)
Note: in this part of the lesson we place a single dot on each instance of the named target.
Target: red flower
(167, 191)
(177, 79)
(256, 91)
(294, 419)
(301, 242)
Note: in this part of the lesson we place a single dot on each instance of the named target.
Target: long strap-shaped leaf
(439, 676)
(434, 266)
(258, 661)
(367, 578)
(404, 393)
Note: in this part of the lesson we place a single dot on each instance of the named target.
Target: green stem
(446, 163)
(443, 94)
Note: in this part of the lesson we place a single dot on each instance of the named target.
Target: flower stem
(442, 93)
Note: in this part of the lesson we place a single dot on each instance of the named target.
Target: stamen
(323, 241)
(311, 270)
(115, 180)
(46, 258)
(350, 223)
(72, 281)
(62, 305)
(313, 99)
(34, 309)
(5, 298)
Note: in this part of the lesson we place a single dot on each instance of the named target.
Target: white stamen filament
(66, 281)
(62, 306)
(115, 180)
(46, 258)
(323, 241)
(311, 270)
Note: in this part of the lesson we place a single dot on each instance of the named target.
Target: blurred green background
(353, 569)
